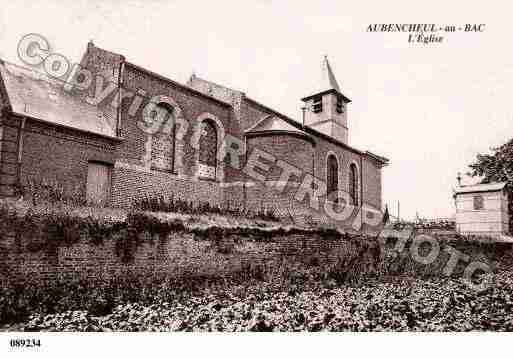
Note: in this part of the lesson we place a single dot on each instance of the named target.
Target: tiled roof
(274, 123)
(38, 96)
(485, 187)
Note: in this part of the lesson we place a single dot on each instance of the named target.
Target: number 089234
(25, 343)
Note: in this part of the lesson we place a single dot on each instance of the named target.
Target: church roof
(36, 95)
(485, 187)
(328, 82)
(274, 124)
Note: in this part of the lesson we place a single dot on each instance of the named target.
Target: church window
(208, 150)
(353, 184)
(163, 141)
(317, 104)
(332, 176)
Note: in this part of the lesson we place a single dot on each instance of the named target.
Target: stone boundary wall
(181, 254)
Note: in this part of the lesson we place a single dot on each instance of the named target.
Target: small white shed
(482, 209)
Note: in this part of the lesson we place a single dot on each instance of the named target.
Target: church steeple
(329, 82)
(327, 106)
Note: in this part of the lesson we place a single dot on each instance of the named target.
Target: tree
(497, 167)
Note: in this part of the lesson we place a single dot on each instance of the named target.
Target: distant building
(482, 209)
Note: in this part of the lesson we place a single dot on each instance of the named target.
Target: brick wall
(108, 66)
(294, 150)
(8, 154)
(137, 145)
(104, 63)
(163, 151)
(372, 185)
(223, 93)
(145, 160)
(191, 105)
(251, 113)
(298, 152)
(130, 184)
(8, 146)
(179, 255)
(283, 203)
(54, 153)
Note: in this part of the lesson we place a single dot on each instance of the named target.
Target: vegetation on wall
(337, 263)
(45, 190)
(159, 203)
(46, 228)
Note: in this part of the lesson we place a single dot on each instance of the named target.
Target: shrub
(43, 190)
(159, 203)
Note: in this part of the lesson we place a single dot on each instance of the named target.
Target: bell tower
(326, 108)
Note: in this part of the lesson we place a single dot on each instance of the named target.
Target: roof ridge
(480, 187)
(157, 75)
(273, 123)
(257, 123)
(176, 83)
(215, 83)
(91, 44)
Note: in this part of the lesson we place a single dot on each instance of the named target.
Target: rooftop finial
(192, 77)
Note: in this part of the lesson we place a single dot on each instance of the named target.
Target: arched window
(332, 176)
(353, 184)
(208, 150)
(163, 139)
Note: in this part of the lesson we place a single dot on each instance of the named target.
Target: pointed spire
(329, 82)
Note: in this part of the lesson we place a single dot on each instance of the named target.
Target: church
(222, 147)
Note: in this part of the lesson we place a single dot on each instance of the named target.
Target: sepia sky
(429, 108)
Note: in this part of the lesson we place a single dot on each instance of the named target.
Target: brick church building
(105, 150)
